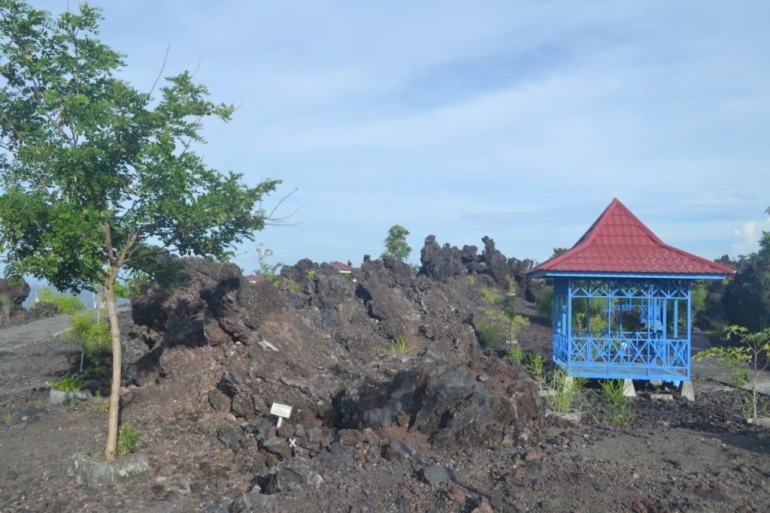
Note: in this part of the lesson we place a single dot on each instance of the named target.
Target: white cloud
(747, 236)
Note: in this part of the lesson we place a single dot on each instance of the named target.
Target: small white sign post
(282, 411)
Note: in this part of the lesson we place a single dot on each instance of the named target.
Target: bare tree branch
(279, 221)
(162, 68)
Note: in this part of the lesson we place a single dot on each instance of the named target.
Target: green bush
(128, 437)
(90, 333)
(516, 354)
(64, 304)
(490, 332)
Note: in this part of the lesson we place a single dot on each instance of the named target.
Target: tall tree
(746, 297)
(395, 243)
(764, 241)
(93, 170)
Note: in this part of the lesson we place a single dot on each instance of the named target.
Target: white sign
(282, 411)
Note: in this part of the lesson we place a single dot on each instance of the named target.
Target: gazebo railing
(622, 355)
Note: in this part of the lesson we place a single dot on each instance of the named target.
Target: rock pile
(322, 342)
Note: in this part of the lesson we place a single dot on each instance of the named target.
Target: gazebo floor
(605, 371)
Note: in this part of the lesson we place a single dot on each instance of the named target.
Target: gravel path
(10, 338)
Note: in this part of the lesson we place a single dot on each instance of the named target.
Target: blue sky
(517, 120)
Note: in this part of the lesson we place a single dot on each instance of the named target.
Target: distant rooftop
(618, 242)
(343, 268)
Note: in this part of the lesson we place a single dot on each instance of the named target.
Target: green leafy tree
(395, 243)
(558, 251)
(93, 170)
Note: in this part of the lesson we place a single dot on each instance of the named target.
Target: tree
(746, 297)
(395, 243)
(93, 170)
(764, 242)
(558, 251)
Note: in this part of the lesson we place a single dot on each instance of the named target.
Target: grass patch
(74, 382)
(399, 345)
(536, 367)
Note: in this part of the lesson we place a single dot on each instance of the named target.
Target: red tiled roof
(342, 267)
(253, 278)
(618, 242)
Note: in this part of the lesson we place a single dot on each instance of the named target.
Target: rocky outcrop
(495, 262)
(16, 290)
(444, 263)
(440, 263)
(214, 304)
(453, 406)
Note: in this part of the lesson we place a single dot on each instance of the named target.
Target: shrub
(128, 437)
(267, 271)
(92, 335)
(536, 367)
(516, 354)
(64, 304)
(566, 390)
(491, 333)
(622, 408)
(750, 357)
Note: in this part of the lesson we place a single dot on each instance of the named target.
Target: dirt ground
(675, 456)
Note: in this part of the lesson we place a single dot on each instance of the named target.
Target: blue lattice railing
(622, 355)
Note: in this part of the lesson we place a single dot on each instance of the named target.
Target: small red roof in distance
(253, 278)
(618, 242)
(342, 267)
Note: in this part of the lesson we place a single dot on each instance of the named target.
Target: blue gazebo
(622, 301)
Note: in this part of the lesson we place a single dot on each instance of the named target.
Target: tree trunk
(112, 425)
